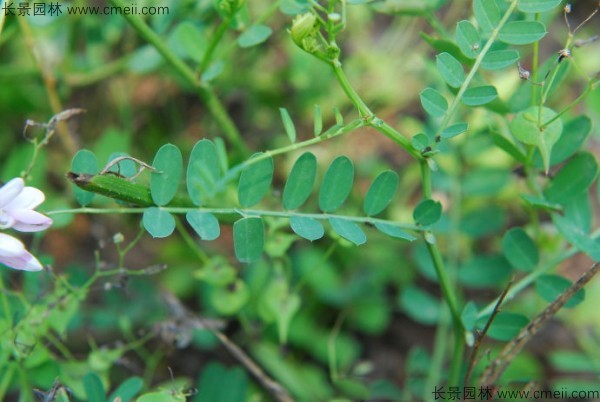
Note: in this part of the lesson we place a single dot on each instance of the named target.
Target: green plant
(494, 193)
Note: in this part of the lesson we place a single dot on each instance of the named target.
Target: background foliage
(135, 305)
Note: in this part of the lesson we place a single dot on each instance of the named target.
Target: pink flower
(13, 254)
(17, 204)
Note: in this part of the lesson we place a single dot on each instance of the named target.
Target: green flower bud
(304, 29)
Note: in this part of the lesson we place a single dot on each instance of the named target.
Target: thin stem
(363, 109)
(204, 91)
(190, 242)
(217, 36)
(426, 179)
(331, 352)
(535, 67)
(49, 83)
(365, 112)
(236, 211)
(571, 105)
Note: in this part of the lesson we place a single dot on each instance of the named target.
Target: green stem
(534, 67)
(589, 88)
(8, 375)
(237, 211)
(365, 112)
(216, 39)
(204, 91)
(426, 179)
(494, 34)
(363, 109)
(190, 242)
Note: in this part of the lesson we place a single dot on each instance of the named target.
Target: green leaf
(499, 59)
(230, 299)
(541, 203)
(318, 125)
(85, 162)
(575, 133)
(308, 228)
(477, 96)
(203, 172)
(288, 124)
(549, 287)
(537, 6)
(522, 32)
(204, 224)
(520, 250)
(525, 128)
(469, 316)
(506, 325)
(381, 192)
(468, 39)
(255, 181)
(300, 182)
(451, 70)
(420, 141)
(127, 390)
(218, 384)
(248, 239)
(254, 35)
(444, 45)
(93, 388)
(427, 212)
(394, 231)
(420, 305)
(454, 130)
(487, 14)
(221, 154)
(348, 230)
(165, 181)
(158, 223)
(577, 237)
(188, 39)
(484, 271)
(337, 184)
(433, 102)
(573, 179)
(281, 303)
(579, 211)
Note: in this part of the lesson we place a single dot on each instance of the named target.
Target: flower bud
(304, 29)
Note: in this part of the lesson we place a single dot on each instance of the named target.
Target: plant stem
(236, 211)
(204, 91)
(217, 36)
(365, 112)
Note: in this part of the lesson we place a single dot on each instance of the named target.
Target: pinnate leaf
(255, 181)
(451, 70)
(337, 184)
(158, 223)
(248, 239)
(433, 102)
(300, 182)
(381, 192)
(164, 182)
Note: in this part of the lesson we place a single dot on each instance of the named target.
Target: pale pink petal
(28, 198)
(24, 262)
(6, 220)
(10, 190)
(10, 247)
(27, 220)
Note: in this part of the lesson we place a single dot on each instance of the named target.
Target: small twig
(587, 19)
(142, 165)
(510, 351)
(276, 389)
(481, 336)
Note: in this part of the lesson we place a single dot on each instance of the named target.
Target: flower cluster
(17, 204)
